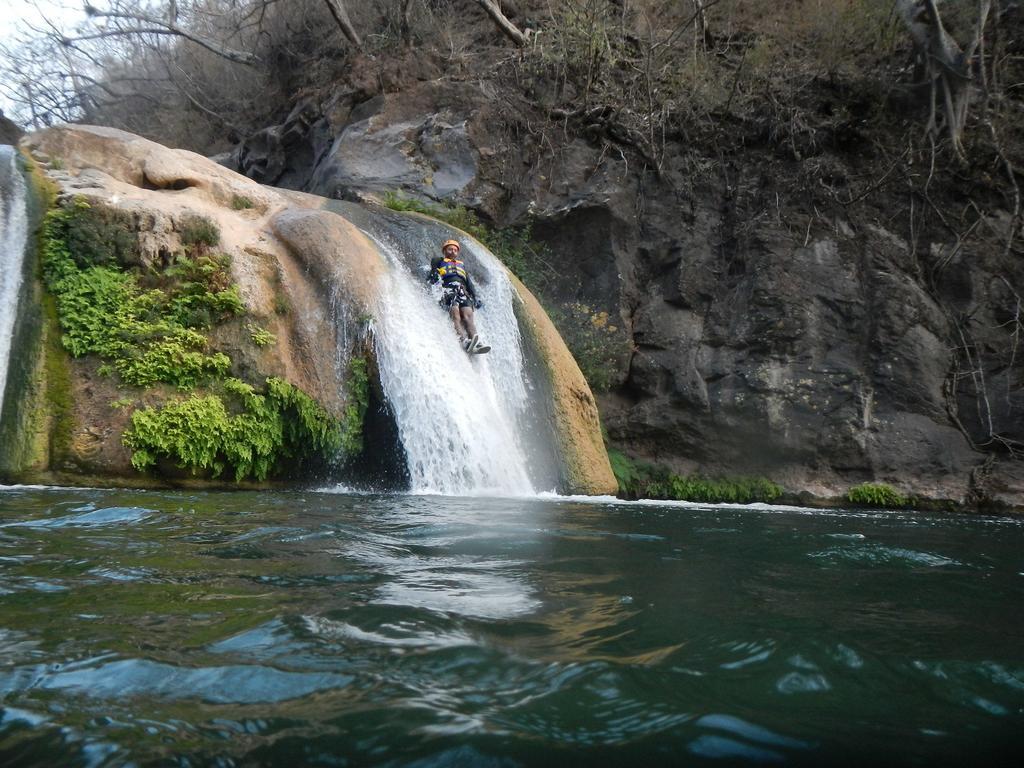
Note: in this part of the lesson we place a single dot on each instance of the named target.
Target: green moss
(358, 393)
(240, 430)
(241, 202)
(643, 480)
(45, 191)
(877, 495)
(58, 387)
(199, 232)
(96, 235)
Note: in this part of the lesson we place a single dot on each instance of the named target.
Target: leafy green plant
(877, 495)
(171, 360)
(144, 329)
(626, 472)
(643, 480)
(261, 337)
(459, 216)
(736, 490)
(259, 434)
(102, 310)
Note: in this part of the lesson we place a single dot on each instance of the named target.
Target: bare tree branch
(160, 27)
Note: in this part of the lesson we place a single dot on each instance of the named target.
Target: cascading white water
(13, 234)
(458, 415)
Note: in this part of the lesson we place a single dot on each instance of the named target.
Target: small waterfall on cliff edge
(459, 416)
(13, 233)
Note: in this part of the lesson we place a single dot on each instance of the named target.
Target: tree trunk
(511, 30)
(340, 14)
(947, 66)
(405, 29)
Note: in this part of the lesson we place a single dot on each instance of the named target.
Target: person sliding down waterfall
(458, 295)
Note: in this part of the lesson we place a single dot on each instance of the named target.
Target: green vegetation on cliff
(151, 327)
(877, 495)
(143, 335)
(358, 391)
(643, 480)
(238, 429)
(513, 245)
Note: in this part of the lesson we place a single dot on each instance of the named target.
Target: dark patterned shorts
(455, 295)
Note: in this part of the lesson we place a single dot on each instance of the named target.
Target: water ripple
(89, 518)
(141, 677)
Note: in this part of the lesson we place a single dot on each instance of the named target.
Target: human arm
(433, 275)
(471, 289)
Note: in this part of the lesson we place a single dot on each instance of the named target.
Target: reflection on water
(324, 629)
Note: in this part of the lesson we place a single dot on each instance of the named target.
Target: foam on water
(13, 234)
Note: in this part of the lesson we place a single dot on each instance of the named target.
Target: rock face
(580, 443)
(306, 275)
(10, 133)
(814, 349)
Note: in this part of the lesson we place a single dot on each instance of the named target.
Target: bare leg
(467, 319)
(457, 321)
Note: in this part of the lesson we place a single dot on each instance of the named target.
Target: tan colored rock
(334, 251)
(145, 164)
(578, 424)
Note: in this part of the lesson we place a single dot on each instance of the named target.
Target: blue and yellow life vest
(452, 270)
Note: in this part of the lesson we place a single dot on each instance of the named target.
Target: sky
(14, 13)
(65, 12)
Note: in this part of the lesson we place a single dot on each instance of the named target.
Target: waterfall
(459, 416)
(13, 234)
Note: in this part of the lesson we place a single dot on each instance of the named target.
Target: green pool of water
(330, 629)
